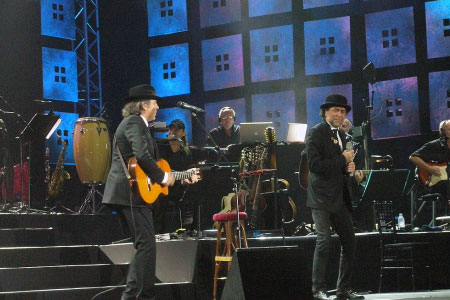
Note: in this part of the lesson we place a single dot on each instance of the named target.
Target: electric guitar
(143, 186)
(428, 179)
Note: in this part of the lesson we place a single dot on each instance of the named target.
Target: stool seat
(229, 216)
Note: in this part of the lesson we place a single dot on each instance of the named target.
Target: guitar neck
(182, 175)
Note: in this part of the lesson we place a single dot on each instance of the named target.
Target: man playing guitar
(432, 158)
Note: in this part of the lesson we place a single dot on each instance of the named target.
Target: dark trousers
(141, 272)
(342, 223)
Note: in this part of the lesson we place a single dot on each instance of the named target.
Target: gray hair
(134, 107)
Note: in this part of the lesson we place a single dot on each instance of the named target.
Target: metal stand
(236, 192)
(89, 204)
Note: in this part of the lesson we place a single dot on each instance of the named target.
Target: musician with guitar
(134, 144)
(330, 164)
(431, 160)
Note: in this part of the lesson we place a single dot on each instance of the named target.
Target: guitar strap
(121, 159)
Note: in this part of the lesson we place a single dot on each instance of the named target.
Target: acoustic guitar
(143, 186)
(428, 179)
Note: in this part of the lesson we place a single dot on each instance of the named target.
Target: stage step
(180, 291)
(19, 257)
(18, 237)
(63, 276)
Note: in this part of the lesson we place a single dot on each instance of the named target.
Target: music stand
(385, 186)
(40, 126)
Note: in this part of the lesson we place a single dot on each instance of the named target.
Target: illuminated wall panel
(169, 70)
(278, 108)
(59, 74)
(396, 108)
(65, 131)
(271, 53)
(212, 112)
(439, 98)
(327, 46)
(58, 18)
(390, 37)
(166, 16)
(319, 3)
(216, 12)
(169, 114)
(315, 97)
(222, 62)
(438, 28)
(267, 7)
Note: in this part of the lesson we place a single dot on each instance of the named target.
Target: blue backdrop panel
(396, 109)
(222, 62)
(438, 28)
(318, 3)
(58, 18)
(59, 74)
(65, 131)
(278, 108)
(390, 37)
(212, 112)
(169, 114)
(315, 97)
(271, 53)
(327, 46)
(169, 70)
(166, 16)
(268, 7)
(216, 12)
(439, 98)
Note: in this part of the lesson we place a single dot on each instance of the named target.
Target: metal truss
(87, 47)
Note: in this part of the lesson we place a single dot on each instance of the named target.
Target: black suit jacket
(133, 139)
(327, 186)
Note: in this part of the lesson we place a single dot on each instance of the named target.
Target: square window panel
(231, 45)
(282, 68)
(60, 24)
(439, 97)
(315, 97)
(268, 7)
(161, 22)
(378, 51)
(210, 16)
(397, 120)
(316, 62)
(319, 3)
(178, 56)
(438, 43)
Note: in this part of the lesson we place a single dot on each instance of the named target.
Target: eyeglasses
(227, 117)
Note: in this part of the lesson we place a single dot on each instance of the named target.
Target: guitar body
(428, 179)
(142, 185)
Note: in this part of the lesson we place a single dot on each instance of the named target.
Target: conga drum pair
(92, 150)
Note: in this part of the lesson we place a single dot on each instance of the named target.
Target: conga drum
(92, 150)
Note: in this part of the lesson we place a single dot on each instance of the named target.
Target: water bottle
(401, 222)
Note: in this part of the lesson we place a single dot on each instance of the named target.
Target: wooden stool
(228, 223)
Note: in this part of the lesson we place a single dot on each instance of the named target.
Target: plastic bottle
(401, 222)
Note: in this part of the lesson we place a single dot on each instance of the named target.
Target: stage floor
(435, 295)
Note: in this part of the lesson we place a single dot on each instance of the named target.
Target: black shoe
(348, 295)
(320, 296)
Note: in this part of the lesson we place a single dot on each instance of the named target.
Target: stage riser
(27, 237)
(50, 256)
(182, 291)
(40, 278)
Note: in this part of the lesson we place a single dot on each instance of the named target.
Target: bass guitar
(428, 179)
(143, 186)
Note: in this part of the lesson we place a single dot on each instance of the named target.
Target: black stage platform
(62, 257)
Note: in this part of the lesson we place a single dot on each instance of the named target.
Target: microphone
(349, 146)
(192, 108)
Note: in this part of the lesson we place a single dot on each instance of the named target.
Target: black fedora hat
(336, 100)
(141, 92)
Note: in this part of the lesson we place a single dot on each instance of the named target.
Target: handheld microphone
(192, 108)
(349, 146)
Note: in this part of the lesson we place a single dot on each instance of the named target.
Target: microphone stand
(194, 115)
(365, 129)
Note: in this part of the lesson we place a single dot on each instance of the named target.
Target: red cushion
(229, 216)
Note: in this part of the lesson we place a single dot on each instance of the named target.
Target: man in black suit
(133, 138)
(328, 195)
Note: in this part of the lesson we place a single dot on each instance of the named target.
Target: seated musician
(179, 157)
(433, 157)
(227, 133)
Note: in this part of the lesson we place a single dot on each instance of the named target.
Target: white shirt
(339, 138)
(166, 175)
